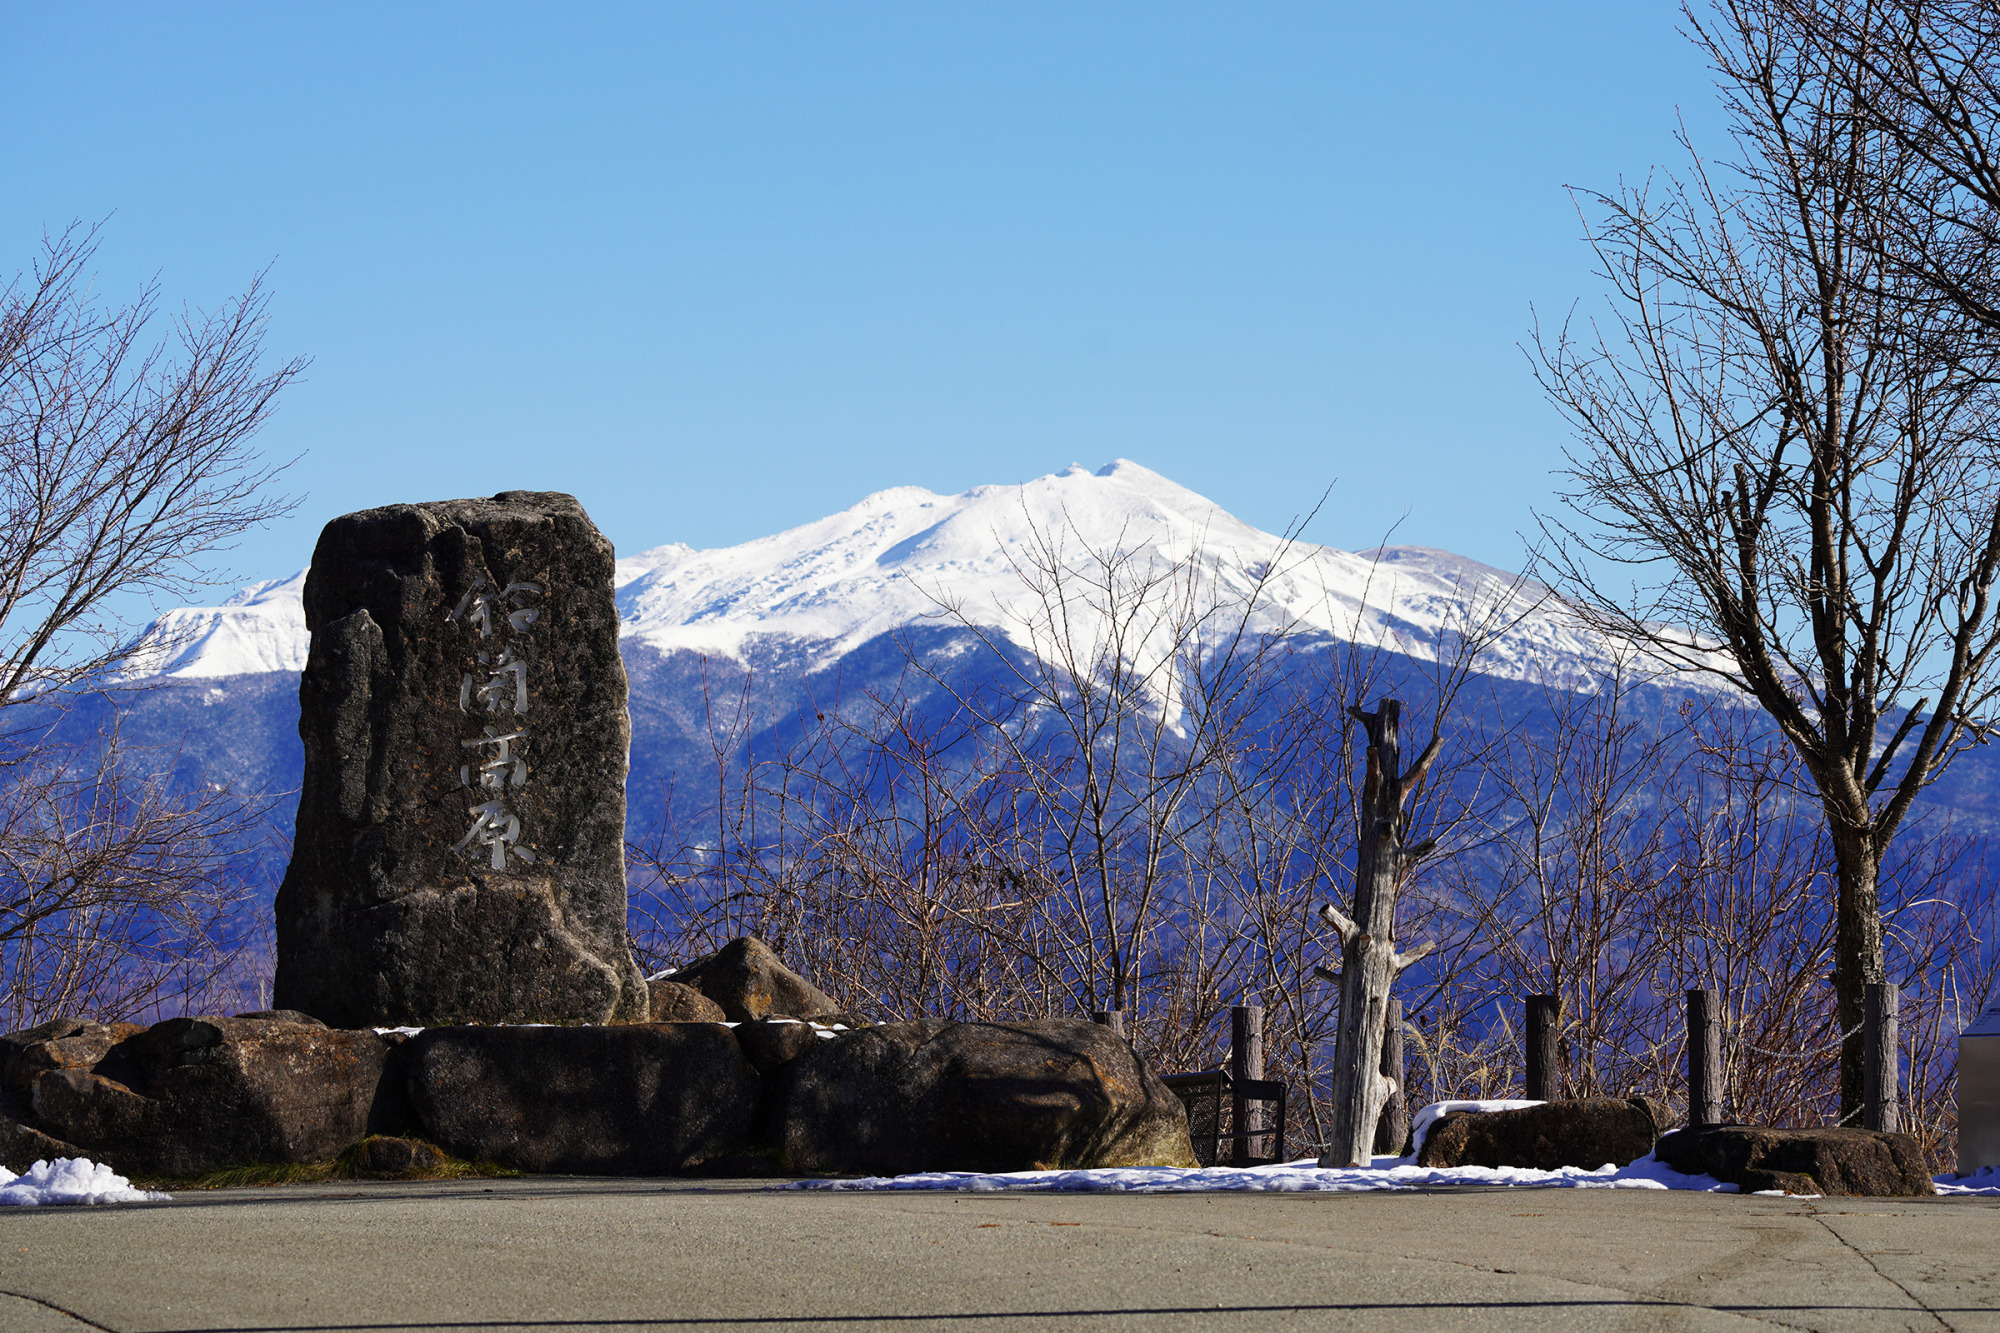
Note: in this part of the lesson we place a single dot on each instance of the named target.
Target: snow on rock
(1430, 1115)
(70, 1180)
(1304, 1176)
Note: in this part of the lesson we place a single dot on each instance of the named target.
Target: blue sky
(721, 269)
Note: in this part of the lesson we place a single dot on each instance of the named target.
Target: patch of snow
(1430, 1115)
(407, 1032)
(1984, 1181)
(663, 974)
(1304, 1176)
(70, 1180)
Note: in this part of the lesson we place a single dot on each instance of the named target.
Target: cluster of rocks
(1595, 1131)
(771, 1093)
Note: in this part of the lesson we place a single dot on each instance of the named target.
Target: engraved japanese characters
(497, 683)
(460, 846)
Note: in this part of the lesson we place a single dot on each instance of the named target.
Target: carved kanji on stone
(460, 847)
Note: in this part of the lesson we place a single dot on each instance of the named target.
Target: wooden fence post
(1110, 1018)
(1246, 1060)
(1881, 1094)
(1544, 1074)
(1704, 1050)
(1392, 1131)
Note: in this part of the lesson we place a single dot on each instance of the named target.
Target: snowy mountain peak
(262, 628)
(902, 556)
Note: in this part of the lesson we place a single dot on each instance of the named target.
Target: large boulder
(636, 1099)
(750, 982)
(1589, 1132)
(942, 1096)
(191, 1095)
(1801, 1161)
(671, 1002)
(461, 827)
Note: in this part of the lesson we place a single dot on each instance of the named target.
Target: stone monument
(460, 854)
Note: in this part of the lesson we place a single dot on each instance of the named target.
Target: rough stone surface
(60, 1043)
(191, 1095)
(749, 981)
(674, 1003)
(1588, 1132)
(943, 1096)
(639, 1098)
(1801, 1161)
(769, 1045)
(21, 1147)
(435, 879)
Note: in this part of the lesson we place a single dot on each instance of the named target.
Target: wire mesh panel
(1208, 1095)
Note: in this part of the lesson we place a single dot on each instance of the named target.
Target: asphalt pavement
(596, 1254)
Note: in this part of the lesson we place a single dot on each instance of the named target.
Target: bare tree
(1926, 74)
(1795, 450)
(127, 459)
(1143, 674)
(118, 892)
(125, 462)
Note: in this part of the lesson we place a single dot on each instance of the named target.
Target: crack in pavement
(1876, 1268)
(85, 1320)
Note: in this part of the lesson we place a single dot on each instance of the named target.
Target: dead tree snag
(1369, 961)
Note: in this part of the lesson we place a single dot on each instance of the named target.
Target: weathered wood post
(1704, 1053)
(1369, 962)
(1246, 1060)
(1392, 1131)
(1109, 1018)
(1544, 1081)
(1881, 1092)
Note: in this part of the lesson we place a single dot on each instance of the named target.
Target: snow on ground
(1984, 1181)
(1384, 1173)
(70, 1180)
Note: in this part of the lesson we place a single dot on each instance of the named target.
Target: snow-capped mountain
(262, 628)
(734, 652)
(909, 557)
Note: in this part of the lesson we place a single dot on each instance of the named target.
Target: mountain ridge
(906, 556)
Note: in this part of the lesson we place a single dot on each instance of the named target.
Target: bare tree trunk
(1857, 953)
(1369, 961)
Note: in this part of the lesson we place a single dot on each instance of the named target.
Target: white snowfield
(900, 557)
(70, 1180)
